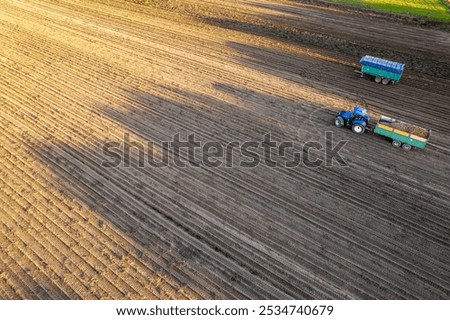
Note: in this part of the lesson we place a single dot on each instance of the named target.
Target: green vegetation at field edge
(434, 9)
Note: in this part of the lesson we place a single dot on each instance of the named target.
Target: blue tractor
(356, 119)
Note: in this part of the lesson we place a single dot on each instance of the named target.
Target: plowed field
(76, 74)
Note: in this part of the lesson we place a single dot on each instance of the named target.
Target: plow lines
(77, 75)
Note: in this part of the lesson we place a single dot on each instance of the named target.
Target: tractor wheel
(358, 128)
(339, 121)
(406, 147)
(396, 143)
(378, 79)
(385, 81)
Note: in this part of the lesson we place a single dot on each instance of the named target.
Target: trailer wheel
(396, 143)
(385, 81)
(339, 121)
(358, 129)
(378, 79)
(406, 147)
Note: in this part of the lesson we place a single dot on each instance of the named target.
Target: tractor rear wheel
(396, 143)
(358, 128)
(378, 79)
(406, 147)
(339, 121)
(385, 81)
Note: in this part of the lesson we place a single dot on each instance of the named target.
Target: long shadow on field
(207, 228)
(257, 232)
(228, 210)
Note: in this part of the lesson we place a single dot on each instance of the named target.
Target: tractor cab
(356, 119)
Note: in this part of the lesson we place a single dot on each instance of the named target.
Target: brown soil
(76, 74)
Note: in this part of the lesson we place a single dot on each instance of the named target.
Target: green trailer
(383, 71)
(402, 134)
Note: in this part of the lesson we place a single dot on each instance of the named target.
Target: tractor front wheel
(339, 121)
(358, 128)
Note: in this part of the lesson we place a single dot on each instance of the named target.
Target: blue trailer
(383, 71)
